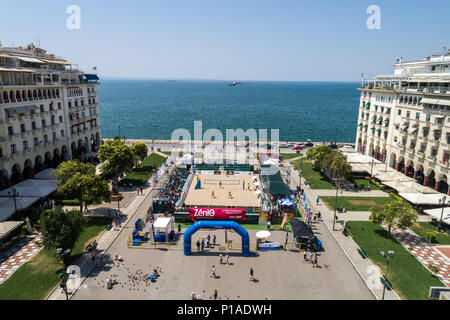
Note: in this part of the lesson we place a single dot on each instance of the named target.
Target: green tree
(395, 212)
(318, 154)
(140, 151)
(60, 228)
(337, 163)
(116, 154)
(79, 181)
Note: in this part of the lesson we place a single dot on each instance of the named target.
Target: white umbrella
(255, 178)
(256, 183)
(263, 234)
(258, 192)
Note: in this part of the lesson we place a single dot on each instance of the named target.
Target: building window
(22, 127)
(59, 105)
(10, 131)
(33, 125)
(13, 148)
(54, 136)
(417, 115)
(36, 142)
(60, 119)
(43, 123)
(25, 145)
(408, 113)
(45, 138)
(62, 133)
(42, 107)
(428, 117)
(399, 112)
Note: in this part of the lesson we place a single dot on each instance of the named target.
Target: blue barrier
(208, 224)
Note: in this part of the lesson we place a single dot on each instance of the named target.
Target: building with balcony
(44, 99)
(404, 119)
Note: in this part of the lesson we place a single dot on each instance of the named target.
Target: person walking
(268, 225)
(317, 200)
(215, 294)
(198, 245)
(93, 253)
(251, 274)
(203, 245)
(213, 271)
(221, 258)
(318, 215)
(311, 254)
(315, 262)
(305, 254)
(228, 257)
(214, 239)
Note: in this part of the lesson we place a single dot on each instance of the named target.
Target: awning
(7, 206)
(90, 77)
(429, 100)
(45, 174)
(436, 213)
(7, 227)
(278, 188)
(27, 59)
(59, 62)
(301, 229)
(424, 199)
(15, 70)
(33, 188)
(20, 109)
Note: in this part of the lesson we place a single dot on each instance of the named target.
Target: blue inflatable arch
(207, 224)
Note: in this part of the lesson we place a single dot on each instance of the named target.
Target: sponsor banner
(217, 214)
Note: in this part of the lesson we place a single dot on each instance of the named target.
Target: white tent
(33, 188)
(436, 213)
(420, 198)
(164, 225)
(7, 207)
(273, 162)
(185, 160)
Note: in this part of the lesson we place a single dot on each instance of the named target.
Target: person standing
(268, 225)
(198, 245)
(251, 274)
(318, 215)
(203, 245)
(93, 255)
(221, 258)
(317, 200)
(305, 254)
(213, 271)
(214, 239)
(228, 257)
(315, 262)
(215, 294)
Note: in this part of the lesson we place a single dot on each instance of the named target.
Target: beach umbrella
(263, 234)
(258, 192)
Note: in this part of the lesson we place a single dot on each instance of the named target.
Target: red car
(297, 147)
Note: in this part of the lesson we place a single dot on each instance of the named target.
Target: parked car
(297, 147)
(309, 144)
(333, 146)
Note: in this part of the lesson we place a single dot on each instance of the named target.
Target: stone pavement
(332, 193)
(138, 204)
(427, 255)
(369, 272)
(22, 251)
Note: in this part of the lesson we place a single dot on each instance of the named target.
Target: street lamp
(371, 168)
(442, 212)
(335, 207)
(390, 254)
(117, 186)
(13, 193)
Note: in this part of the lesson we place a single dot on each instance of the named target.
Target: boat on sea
(232, 84)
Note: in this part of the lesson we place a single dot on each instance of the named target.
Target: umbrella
(256, 183)
(258, 192)
(263, 234)
(255, 178)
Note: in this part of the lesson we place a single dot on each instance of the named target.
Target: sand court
(222, 185)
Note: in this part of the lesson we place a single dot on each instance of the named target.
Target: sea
(153, 109)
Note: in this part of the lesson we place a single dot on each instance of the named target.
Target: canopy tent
(7, 207)
(186, 159)
(263, 234)
(422, 199)
(32, 188)
(273, 162)
(7, 227)
(301, 230)
(45, 174)
(436, 213)
(164, 226)
(287, 202)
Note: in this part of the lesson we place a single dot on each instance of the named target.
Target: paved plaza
(278, 274)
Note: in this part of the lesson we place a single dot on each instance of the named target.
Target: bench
(362, 253)
(386, 283)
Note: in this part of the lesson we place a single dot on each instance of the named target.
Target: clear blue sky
(232, 39)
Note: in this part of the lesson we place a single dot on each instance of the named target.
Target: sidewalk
(426, 254)
(368, 272)
(106, 239)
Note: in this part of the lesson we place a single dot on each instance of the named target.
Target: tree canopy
(60, 228)
(394, 213)
(79, 181)
(318, 154)
(116, 154)
(140, 151)
(337, 163)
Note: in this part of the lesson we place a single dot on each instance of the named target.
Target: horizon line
(209, 79)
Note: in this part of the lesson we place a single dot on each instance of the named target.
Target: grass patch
(37, 278)
(315, 178)
(364, 182)
(355, 203)
(421, 228)
(409, 278)
(287, 156)
(144, 170)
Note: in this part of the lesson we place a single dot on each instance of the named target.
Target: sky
(266, 40)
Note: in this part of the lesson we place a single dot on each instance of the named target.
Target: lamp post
(390, 254)
(14, 194)
(335, 207)
(442, 212)
(118, 196)
(371, 168)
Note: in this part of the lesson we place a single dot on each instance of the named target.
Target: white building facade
(48, 113)
(404, 119)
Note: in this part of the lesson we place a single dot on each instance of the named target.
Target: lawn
(37, 278)
(316, 179)
(364, 182)
(421, 228)
(361, 204)
(144, 170)
(409, 278)
(287, 156)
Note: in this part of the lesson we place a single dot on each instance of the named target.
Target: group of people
(201, 243)
(310, 254)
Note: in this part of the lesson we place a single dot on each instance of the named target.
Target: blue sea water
(152, 109)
